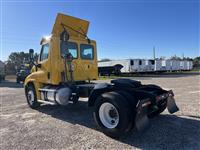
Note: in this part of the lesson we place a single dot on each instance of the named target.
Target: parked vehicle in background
(22, 73)
(146, 65)
(2, 71)
(128, 65)
(162, 65)
(149, 67)
(108, 70)
(189, 65)
(175, 65)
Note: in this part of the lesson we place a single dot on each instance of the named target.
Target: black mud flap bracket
(171, 104)
(141, 119)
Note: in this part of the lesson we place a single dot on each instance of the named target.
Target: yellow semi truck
(64, 72)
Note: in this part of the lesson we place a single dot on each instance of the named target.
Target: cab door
(44, 65)
(88, 61)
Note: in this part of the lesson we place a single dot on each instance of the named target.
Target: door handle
(48, 75)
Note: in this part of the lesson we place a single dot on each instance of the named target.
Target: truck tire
(31, 97)
(113, 115)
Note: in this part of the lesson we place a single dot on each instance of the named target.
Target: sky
(122, 29)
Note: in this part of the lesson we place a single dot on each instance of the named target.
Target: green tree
(16, 60)
(196, 62)
(175, 58)
(188, 58)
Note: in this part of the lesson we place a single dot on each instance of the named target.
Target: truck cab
(51, 68)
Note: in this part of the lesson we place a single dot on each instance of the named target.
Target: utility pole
(154, 53)
(183, 56)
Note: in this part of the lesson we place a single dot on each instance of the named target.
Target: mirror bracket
(38, 65)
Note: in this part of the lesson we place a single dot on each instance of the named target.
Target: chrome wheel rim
(31, 97)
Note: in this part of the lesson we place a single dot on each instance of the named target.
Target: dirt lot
(72, 127)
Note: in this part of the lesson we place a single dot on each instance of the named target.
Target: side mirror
(31, 56)
(31, 52)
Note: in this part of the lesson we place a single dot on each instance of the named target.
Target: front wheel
(113, 114)
(31, 97)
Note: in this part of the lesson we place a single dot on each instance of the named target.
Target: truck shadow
(11, 84)
(166, 131)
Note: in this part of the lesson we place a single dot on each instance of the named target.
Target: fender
(133, 96)
(122, 88)
(35, 84)
(98, 90)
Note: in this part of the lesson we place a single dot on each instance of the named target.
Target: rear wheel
(108, 115)
(31, 97)
(113, 115)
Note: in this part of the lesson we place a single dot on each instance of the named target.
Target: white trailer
(140, 65)
(162, 65)
(149, 65)
(186, 65)
(168, 65)
(129, 65)
(175, 65)
(144, 65)
(189, 65)
(125, 63)
(182, 65)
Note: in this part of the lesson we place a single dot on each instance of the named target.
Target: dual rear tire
(113, 114)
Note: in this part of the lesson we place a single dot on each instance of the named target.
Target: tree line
(16, 60)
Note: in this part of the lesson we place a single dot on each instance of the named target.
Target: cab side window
(44, 52)
(87, 51)
(69, 47)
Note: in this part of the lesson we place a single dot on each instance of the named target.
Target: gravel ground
(72, 127)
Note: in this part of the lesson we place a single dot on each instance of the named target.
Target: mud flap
(171, 105)
(141, 119)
